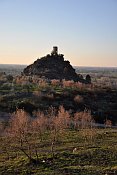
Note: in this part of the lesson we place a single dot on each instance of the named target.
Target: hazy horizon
(113, 67)
(85, 31)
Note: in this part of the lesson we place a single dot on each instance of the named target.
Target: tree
(18, 131)
(10, 78)
(88, 78)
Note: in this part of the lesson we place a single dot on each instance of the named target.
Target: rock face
(52, 67)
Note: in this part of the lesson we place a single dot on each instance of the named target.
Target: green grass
(97, 156)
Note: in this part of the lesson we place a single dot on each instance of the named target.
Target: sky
(85, 31)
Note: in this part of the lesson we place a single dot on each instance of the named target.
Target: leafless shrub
(39, 124)
(78, 99)
(84, 122)
(55, 82)
(19, 123)
(58, 124)
(83, 119)
(43, 83)
(79, 85)
(19, 130)
(61, 122)
(108, 123)
(69, 83)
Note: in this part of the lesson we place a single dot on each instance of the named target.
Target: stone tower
(54, 51)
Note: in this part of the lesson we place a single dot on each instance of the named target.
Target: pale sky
(84, 30)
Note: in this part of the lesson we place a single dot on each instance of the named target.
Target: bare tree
(84, 122)
(19, 132)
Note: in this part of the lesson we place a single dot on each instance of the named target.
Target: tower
(54, 51)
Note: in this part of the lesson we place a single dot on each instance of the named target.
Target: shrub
(78, 99)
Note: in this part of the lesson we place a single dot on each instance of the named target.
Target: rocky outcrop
(53, 67)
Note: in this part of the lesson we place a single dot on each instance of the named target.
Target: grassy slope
(97, 156)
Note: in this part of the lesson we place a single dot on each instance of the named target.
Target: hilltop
(53, 66)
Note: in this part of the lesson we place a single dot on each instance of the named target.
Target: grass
(97, 156)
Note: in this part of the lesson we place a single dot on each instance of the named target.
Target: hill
(53, 66)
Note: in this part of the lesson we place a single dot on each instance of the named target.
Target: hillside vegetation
(49, 127)
(32, 93)
(57, 143)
